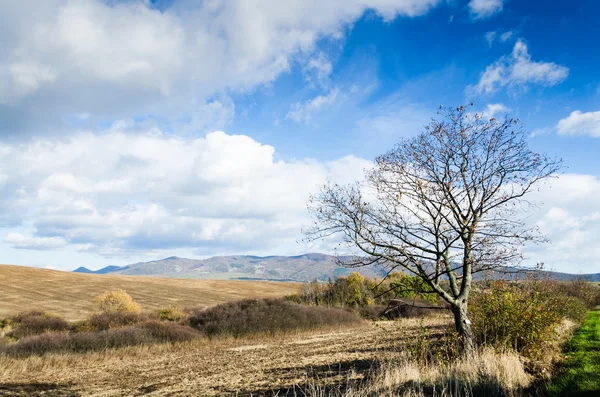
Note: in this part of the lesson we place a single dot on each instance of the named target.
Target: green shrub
(356, 291)
(522, 316)
(405, 286)
(265, 316)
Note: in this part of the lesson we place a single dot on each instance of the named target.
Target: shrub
(266, 316)
(580, 289)
(172, 314)
(109, 320)
(148, 332)
(522, 316)
(35, 323)
(118, 301)
(356, 291)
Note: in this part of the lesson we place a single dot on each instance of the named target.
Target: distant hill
(104, 270)
(305, 267)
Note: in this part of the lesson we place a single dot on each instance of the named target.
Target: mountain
(305, 267)
(104, 270)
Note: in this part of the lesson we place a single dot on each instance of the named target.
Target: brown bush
(148, 332)
(35, 323)
(265, 316)
(580, 289)
(109, 320)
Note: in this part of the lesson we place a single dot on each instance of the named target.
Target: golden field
(71, 295)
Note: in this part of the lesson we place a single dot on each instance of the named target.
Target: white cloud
(507, 35)
(17, 240)
(115, 59)
(568, 215)
(579, 123)
(320, 66)
(490, 37)
(494, 109)
(116, 194)
(302, 112)
(517, 72)
(540, 132)
(484, 8)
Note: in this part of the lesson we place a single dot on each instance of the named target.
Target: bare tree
(443, 205)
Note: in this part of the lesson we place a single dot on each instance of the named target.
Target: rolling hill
(71, 295)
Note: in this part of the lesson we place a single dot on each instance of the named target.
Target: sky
(134, 130)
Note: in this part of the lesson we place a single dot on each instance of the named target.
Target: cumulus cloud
(115, 193)
(517, 72)
(302, 112)
(111, 59)
(484, 8)
(579, 123)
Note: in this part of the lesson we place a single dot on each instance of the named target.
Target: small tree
(443, 205)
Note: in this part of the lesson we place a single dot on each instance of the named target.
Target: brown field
(258, 366)
(71, 295)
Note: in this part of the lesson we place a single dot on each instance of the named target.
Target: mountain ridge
(305, 267)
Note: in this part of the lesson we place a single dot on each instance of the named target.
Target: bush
(118, 301)
(522, 316)
(148, 332)
(580, 289)
(108, 320)
(265, 316)
(172, 314)
(35, 323)
(356, 291)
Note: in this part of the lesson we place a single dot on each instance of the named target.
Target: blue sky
(134, 130)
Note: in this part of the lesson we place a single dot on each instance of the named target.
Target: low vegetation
(266, 316)
(525, 316)
(518, 330)
(366, 295)
(580, 373)
(120, 323)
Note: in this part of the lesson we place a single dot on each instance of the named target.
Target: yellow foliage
(118, 301)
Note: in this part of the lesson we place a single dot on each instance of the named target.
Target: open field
(216, 367)
(71, 295)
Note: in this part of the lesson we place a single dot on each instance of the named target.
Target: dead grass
(258, 365)
(71, 295)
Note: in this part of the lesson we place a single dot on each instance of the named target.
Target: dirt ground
(257, 367)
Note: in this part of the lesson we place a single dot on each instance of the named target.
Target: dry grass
(217, 367)
(71, 295)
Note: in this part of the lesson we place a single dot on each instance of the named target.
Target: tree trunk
(463, 327)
